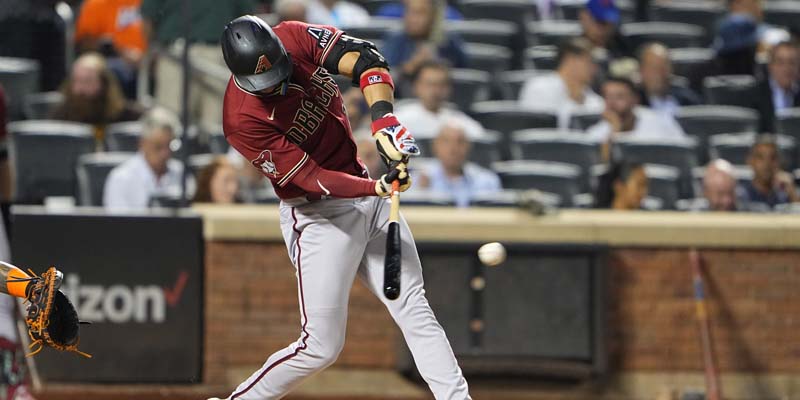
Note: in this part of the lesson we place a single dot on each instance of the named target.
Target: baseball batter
(283, 111)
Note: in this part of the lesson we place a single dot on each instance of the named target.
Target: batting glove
(394, 141)
(397, 172)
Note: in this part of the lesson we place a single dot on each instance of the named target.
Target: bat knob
(391, 293)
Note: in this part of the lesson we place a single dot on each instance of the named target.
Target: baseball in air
(492, 254)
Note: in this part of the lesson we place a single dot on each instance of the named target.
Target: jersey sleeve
(312, 42)
(270, 152)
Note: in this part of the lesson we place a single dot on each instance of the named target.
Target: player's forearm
(318, 181)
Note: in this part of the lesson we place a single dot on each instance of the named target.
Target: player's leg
(424, 335)
(325, 244)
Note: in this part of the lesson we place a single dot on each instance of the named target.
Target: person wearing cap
(600, 22)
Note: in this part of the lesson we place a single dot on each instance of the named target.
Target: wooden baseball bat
(713, 390)
(391, 263)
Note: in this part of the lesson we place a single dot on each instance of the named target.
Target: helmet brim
(268, 79)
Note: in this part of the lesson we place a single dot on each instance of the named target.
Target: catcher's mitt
(51, 318)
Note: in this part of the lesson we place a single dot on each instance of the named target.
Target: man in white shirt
(452, 174)
(341, 14)
(566, 91)
(657, 91)
(623, 117)
(428, 113)
(132, 184)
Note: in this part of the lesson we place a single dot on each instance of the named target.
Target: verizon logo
(119, 303)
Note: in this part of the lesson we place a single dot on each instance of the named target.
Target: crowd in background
(631, 89)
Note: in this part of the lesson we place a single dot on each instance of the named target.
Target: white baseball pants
(330, 242)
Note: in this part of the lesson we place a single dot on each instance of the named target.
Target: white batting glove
(394, 141)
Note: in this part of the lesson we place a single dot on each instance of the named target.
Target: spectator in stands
(657, 92)
(131, 185)
(33, 29)
(217, 183)
(368, 153)
(719, 187)
(600, 21)
(341, 14)
(291, 10)
(623, 117)
(423, 38)
(770, 185)
(426, 114)
(452, 174)
(92, 95)
(164, 25)
(622, 187)
(568, 90)
(738, 36)
(781, 88)
(113, 28)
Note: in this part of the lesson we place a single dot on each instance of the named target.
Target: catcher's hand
(394, 141)
(397, 172)
(51, 318)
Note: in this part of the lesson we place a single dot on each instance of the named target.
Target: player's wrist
(385, 121)
(380, 108)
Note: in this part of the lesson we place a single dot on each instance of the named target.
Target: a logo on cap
(263, 64)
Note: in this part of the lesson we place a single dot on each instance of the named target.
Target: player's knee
(327, 353)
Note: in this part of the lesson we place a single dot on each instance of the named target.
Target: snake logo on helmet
(255, 55)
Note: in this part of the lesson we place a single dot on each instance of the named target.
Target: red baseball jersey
(282, 135)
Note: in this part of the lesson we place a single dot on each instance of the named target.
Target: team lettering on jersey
(312, 109)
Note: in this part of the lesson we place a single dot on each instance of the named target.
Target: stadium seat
(510, 82)
(123, 136)
(516, 11)
(555, 145)
(731, 90)
(663, 184)
(553, 177)
(787, 122)
(469, 86)
(487, 57)
(41, 105)
(782, 13)
(507, 116)
(45, 154)
(691, 62)
(671, 34)
(551, 33)
(92, 171)
(678, 153)
(702, 13)
(704, 121)
(486, 31)
(486, 149)
(735, 148)
(511, 198)
(372, 6)
(541, 57)
(19, 77)
(375, 29)
(582, 121)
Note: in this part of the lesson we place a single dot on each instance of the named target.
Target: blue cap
(603, 11)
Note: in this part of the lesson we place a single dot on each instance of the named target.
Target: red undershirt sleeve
(318, 181)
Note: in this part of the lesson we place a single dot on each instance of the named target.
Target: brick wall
(754, 299)
(252, 310)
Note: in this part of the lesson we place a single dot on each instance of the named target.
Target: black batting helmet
(254, 54)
